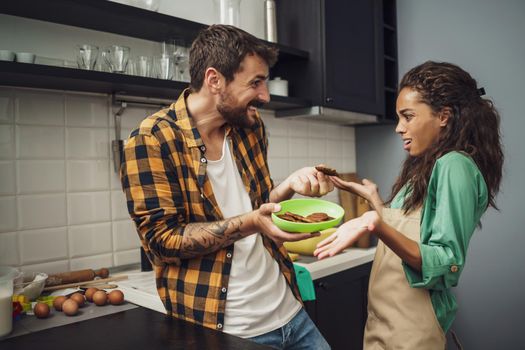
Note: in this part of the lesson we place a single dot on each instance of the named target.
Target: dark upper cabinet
(346, 41)
(352, 56)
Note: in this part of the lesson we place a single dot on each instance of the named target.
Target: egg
(79, 298)
(41, 310)
(70, 307)
(89, 293)
(58, 301)
(100, 298)
(116, 297)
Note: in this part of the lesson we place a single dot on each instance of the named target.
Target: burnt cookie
(319, 217)
(326, 170)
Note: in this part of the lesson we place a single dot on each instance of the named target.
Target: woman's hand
(367, 190)
(347, 234)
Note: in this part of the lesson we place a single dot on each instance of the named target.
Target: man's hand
(261, 221)
(306, 181)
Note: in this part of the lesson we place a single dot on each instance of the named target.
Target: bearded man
(200, 193)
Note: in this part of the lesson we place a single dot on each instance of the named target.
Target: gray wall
(486, 38)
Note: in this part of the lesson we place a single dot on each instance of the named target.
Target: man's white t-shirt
(258, 298)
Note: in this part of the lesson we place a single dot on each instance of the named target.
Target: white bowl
(25, 57)
(6, 55)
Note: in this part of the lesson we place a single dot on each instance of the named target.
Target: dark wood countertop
(138, 328)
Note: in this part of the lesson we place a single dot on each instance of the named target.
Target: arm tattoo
(203, 238)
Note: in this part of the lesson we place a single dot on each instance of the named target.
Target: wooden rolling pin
(95, 283)
(76, 276)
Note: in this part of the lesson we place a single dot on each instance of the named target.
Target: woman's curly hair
(473, 128)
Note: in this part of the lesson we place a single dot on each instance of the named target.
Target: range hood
(328, 115)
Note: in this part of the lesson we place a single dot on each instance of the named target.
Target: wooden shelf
(111, 17)
(61, 78)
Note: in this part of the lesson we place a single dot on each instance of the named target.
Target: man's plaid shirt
(164, 177)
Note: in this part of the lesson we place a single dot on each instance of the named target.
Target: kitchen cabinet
(110, 17)
(353, 52)
(340, 308)
(390, 76)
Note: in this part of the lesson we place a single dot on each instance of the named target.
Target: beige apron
(399, 317)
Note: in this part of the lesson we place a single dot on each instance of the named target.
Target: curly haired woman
(450, 177)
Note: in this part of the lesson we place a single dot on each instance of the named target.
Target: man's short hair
(224, 47)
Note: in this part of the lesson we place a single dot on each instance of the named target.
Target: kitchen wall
(61, 206)
(485, 38)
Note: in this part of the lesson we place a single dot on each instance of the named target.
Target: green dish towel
(305, 283)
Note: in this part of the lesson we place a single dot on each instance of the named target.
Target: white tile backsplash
(7, 176)
(40, 245)
(298, 147)
(119, 208)
(40, 176)
(316, 148)
(87, 240)
(61, 203)
(279, 168)
(9, 249)
(125, 235)
(40, 108)
(42, 210)
(7, 213)
(278, 148)
(39, 142)
(131, 118)
(128, 257)
(87, 143)
(49, 267)
(6, 106)
(87, 175)
(87, 111)
(92, 262)
(88, 207)
(7, 141)
(317, 130)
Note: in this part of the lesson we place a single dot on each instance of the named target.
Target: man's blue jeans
(298, 334)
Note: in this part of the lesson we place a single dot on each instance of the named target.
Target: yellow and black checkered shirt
(164, 177)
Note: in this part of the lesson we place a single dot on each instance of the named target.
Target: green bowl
(304, 207)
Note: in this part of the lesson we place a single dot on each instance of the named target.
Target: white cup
(277, 86)
(6, 55)
(25, 57)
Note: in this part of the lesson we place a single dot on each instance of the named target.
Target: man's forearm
(203, 238)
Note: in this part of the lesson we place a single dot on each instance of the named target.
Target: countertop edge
(348, 259)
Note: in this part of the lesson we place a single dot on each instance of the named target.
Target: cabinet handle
(329, 99)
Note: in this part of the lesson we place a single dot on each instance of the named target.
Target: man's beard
(234, 115)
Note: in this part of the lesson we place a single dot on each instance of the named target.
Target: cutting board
(354, 206)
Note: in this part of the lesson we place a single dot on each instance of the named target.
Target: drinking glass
(117, 57)
(163, 67)
(87, 56)
(143, 66)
